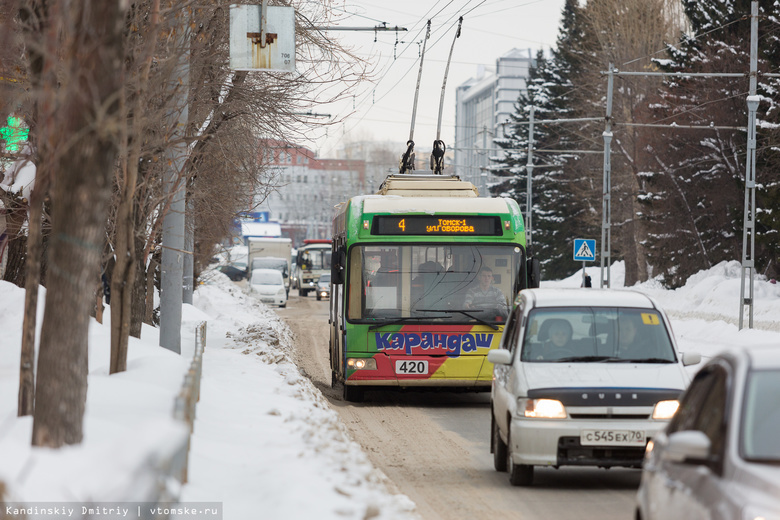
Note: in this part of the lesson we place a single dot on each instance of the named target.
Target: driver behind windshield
(485, 295)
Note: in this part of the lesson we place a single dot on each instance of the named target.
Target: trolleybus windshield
(432, 283)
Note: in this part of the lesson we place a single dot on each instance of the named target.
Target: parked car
(323, 287)
(582, 378)
(268, 284)
(719, 458)
(235, 272)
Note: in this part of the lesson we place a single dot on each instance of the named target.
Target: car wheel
(319, 297)
(303, 293)
(497, 446)
(282, 306)
(519, 474)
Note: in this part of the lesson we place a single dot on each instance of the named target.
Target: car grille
(633, 417)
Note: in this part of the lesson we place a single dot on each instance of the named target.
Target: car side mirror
(500, 357)
(688, 446)
(691, 358)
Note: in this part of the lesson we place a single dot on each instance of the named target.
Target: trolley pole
(606, 210)
(749, 229)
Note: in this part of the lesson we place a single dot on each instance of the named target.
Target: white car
(268, 284)
(584, 377)
(719, 458)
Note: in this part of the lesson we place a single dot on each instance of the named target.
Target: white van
(268, 285)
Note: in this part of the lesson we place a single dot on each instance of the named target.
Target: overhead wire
(439, 28)
(723, 26)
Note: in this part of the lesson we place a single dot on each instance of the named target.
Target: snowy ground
(265, 443)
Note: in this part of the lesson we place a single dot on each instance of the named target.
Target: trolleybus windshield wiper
(395, 321)
(465, 312)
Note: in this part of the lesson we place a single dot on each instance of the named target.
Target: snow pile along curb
(264, 427)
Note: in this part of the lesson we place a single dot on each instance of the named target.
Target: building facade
(307, 189)
(483, 107)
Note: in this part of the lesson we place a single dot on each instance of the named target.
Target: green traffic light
(14, 134)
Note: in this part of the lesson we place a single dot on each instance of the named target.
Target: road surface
(434, 446)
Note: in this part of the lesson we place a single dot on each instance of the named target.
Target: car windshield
(761, 419)
(269, 262)
(267, 278)
(314, 259)
(596, 334)
(325, 279)
(447, 283)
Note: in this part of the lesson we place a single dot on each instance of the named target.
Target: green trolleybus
(423, 277)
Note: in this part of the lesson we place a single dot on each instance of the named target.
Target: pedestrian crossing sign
(584, 250)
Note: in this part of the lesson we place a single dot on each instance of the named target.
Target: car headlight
(361, 363)
(753, 512)
(665, 409)
(543, 408)
(281, 291)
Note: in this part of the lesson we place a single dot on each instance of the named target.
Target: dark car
(235, 272)
(323, 287)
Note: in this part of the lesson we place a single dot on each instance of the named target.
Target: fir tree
(695, 194)
(557, 210)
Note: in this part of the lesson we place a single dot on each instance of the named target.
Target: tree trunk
(80, 196)
(32, 281)
(124, 277)
(16, 245)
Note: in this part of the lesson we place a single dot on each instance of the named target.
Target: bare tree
(627, 34)
(101, 97)
(83, 140)
(228, 113)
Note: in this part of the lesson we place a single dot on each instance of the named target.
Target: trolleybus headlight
(361, 363)
(665, 409)
(543, 408)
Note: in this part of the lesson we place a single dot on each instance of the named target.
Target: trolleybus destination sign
(436, 225)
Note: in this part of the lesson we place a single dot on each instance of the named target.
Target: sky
(264, 439)
(382, 110)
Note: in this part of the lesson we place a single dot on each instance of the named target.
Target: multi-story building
(483, 107)
(308, 188)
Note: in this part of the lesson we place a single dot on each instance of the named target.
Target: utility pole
(188, 277)
(749, 219)
(529, 167)
(173, 229)
(606, 204)
(530, 164)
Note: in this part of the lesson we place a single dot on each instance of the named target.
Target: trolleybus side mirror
(534, 270)
(339, 265)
